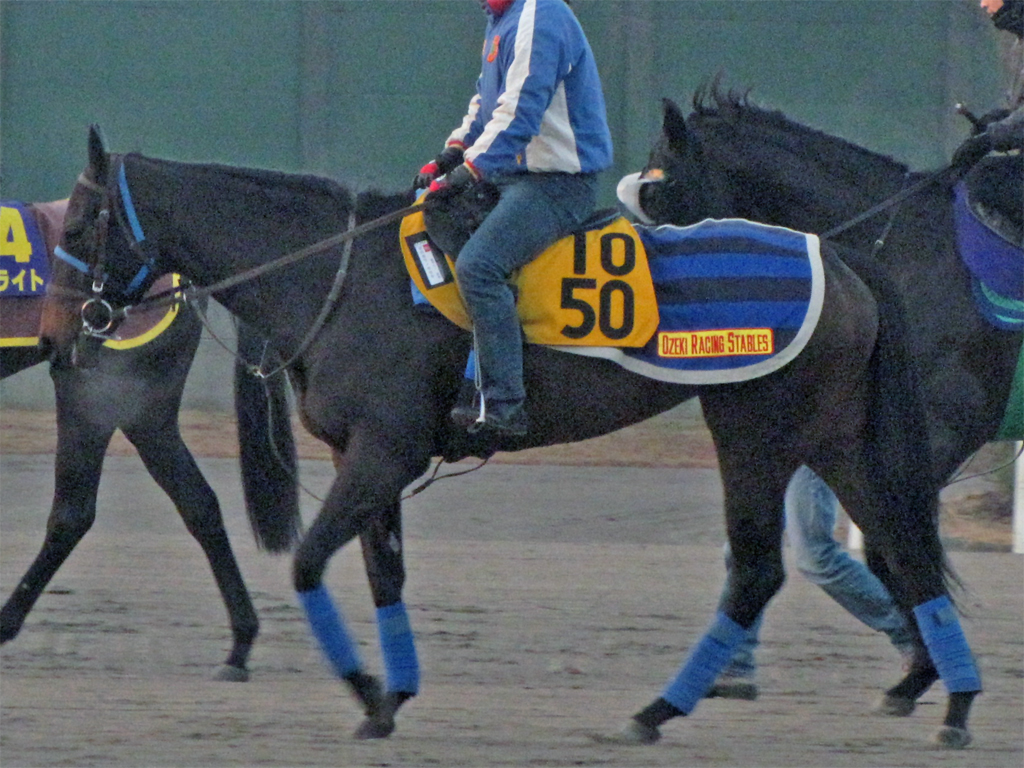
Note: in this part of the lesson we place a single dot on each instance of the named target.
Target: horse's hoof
(379, 726)
(229, 674)
(635, 734)
(951, 737)
(380, 720)
(895, 706)
(368, 692)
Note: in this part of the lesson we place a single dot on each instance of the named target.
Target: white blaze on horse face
(628, 192)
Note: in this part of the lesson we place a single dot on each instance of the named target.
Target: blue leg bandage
(329, 629)
(947, 645)
(398, 649)
(706, 660)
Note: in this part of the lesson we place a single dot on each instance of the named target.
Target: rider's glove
(440, 165)
(455, 182)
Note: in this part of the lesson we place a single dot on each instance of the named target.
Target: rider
(537, 130)
(1006, 132)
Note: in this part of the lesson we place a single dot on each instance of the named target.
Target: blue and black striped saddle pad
(736, 299)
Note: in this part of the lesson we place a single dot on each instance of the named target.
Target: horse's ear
(674, 126)
(97, 152)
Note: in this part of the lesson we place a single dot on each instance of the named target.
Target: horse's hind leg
(79, 459)
(905, 531)
(385, 569)
(174, 469)
(920, 674)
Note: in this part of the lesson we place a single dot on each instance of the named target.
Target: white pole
(854, 538)
(1018, 500)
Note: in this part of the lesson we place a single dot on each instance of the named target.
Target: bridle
(99, 318)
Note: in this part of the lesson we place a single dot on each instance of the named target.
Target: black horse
(731, 158)
(138, 390)
(377, 384)
(754, 163)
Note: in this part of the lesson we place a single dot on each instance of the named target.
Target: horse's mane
(734, 107)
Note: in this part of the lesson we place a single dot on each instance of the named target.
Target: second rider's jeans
(811, 510)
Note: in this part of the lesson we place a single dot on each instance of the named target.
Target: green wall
(366, 90)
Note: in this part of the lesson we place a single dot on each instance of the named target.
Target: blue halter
(138, 238)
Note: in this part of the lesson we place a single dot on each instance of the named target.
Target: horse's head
(101, 268)
(679, 185)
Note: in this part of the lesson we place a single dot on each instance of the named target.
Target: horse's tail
(898, 441)
(267, 451)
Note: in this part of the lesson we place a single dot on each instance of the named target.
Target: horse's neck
(211, 231)
(821, 182)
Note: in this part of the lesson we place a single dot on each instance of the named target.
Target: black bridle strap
(896, 199)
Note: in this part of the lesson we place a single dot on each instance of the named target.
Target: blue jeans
(811, 509)
(534, 211)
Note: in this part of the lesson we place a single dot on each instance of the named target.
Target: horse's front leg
(363, 501)
(754, 495)
(77, 466)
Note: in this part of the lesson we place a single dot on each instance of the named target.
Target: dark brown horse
(377, 384)
(138, 389)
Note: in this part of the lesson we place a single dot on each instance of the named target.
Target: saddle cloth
(733, 299)
(24, 262)
(590, 288)
(737, 300)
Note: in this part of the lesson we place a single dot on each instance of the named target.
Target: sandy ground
(550, 600)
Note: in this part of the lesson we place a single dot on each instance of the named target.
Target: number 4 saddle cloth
(720, 301)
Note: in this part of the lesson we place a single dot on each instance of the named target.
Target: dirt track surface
(549, 603)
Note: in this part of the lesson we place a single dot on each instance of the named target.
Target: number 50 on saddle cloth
(592, 288)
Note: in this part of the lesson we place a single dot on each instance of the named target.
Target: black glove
(993, 116)
(971, 151)
(454, 183)
(440, 165)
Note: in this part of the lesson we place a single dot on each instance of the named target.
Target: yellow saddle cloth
(592, 288)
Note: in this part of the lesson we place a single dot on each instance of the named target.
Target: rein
(168, 297)
(890, 202)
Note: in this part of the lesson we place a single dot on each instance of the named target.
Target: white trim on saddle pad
(756, 369)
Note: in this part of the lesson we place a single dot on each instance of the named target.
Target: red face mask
(498, 7)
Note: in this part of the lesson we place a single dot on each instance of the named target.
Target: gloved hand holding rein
(439, 166)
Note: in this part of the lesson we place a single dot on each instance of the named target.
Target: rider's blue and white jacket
(539, 105)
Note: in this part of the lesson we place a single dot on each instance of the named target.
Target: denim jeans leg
(811, 510)
(533, 212)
